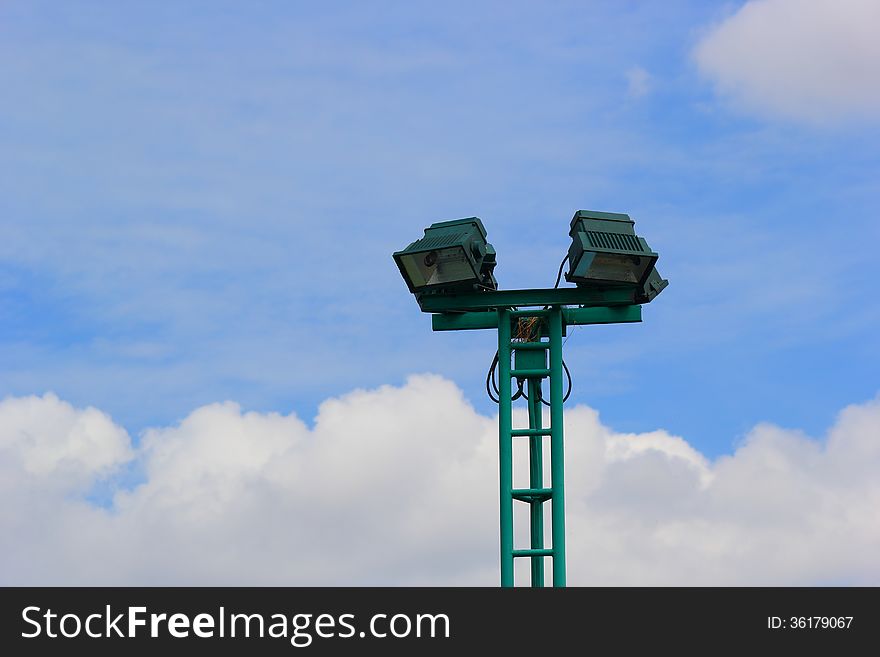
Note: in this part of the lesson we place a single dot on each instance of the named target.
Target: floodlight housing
(453, 256)
(606, 252)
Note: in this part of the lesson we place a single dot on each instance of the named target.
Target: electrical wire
(559, 273)
(490, 378)
(567, 374)
(491, 384)
(564, 397)
(491, 375)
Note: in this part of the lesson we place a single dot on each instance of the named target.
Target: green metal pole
(557, 465)
(505, 448)
(536, 480)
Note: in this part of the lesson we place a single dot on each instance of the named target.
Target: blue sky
(199, 202)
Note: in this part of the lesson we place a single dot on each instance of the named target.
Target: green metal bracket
(460, 321)
(495, 299)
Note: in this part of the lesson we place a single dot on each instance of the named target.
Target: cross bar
(460, 321)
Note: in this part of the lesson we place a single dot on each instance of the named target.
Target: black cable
(566, 395)
(490, 375)
(558, 276)
(519, 390)
(567, 374)
(559, 273)
(490, 378)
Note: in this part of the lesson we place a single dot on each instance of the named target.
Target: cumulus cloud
(397, 485)
(47, 440)
(807, 60)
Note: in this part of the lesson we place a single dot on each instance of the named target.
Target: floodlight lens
(611, 268)
(440, 267)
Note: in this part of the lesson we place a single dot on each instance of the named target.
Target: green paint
(538, 495)
(505, 449)
(527, 356)
(557, 466)
(563, 296)
(462, 321)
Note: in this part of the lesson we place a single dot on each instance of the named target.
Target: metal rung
(535, 552)
(531, 432)
(532, 494)
(530, 373)
(529, 345)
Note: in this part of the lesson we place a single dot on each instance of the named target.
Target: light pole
(451, 273)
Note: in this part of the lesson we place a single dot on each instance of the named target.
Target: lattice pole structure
(529, 351)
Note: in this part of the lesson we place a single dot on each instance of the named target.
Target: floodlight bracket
(475, 320)
(564, 296)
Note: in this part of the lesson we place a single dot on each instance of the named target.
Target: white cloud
(638, 82)
(47, 439)
(398, 486)
(807, 60)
